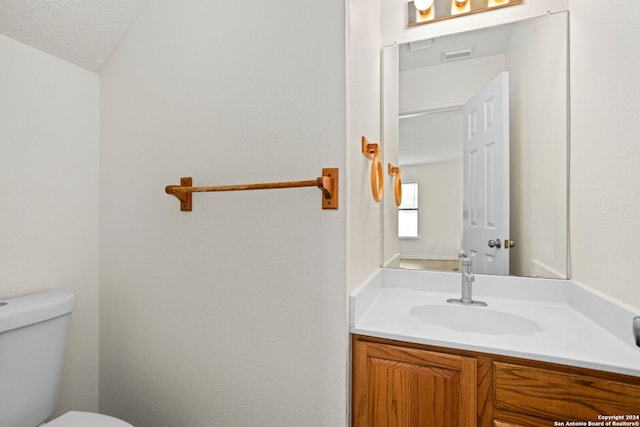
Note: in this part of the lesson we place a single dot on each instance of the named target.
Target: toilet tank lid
(29, 309)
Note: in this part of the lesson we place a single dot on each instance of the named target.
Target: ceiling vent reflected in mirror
(452, 55)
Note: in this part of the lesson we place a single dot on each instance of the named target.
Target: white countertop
(545, 320)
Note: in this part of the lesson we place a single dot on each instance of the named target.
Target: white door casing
(486, 177)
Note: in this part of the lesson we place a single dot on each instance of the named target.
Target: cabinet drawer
(497, 423)
(551, 394)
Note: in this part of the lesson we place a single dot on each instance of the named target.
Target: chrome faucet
(467, 281)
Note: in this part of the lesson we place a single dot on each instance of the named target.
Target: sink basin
(475, 319)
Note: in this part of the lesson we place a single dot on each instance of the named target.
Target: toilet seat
(85, 419)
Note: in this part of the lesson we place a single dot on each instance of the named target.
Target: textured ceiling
(83, 32)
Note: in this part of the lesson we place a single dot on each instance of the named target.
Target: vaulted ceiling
(83, 32)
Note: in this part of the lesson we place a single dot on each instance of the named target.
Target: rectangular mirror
(478, 123)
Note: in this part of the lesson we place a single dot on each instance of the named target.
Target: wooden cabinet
(397, 384)
(400, 386)
(524, 392)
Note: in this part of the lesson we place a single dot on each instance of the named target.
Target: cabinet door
(403, 387)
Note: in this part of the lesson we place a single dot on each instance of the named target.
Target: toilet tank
(33, 335)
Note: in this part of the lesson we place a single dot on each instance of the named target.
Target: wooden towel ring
(372, 152)
(397, 183)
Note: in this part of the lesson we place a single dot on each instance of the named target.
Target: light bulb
(423, 5)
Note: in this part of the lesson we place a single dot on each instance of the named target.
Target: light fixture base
(446, 9)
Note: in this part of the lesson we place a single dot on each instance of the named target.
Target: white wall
(363, 112)
(233, 314)
(538, 156)
(440, 207)
(605, 229)
(49, 128)
(390, 80)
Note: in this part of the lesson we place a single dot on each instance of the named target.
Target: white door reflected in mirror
(485, 144)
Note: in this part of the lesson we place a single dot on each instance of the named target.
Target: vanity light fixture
(426, 11)
(460, 6)
(423, 6)
(423, 10)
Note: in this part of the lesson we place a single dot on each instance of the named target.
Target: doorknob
(495, 243)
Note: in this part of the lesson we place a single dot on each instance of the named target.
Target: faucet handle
(464, 258)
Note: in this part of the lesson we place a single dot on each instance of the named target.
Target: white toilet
(33, 336)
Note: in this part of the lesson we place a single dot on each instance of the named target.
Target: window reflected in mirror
(408, 211)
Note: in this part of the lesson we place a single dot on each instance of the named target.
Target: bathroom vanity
(406, 384)
(537, 357)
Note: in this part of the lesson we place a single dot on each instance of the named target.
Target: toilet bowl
(33, 337)
(86, 419)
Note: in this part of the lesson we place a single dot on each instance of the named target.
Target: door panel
(486, 176)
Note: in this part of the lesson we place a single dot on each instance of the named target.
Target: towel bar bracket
(328, 183)
(368, 149)
(185, 197)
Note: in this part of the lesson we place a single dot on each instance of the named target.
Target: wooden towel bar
(327, 183)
